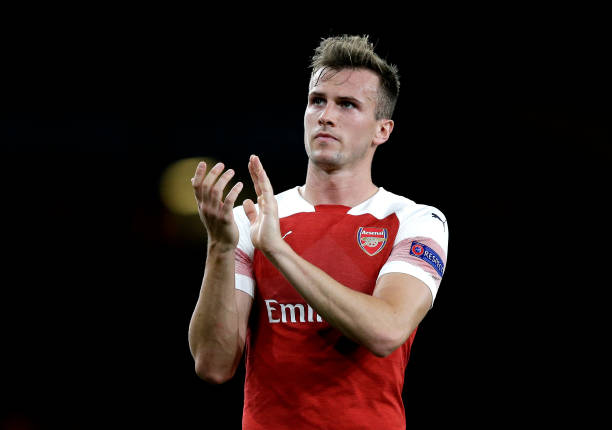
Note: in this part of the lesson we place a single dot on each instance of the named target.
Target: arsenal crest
(372, 239)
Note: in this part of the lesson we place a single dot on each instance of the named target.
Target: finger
(264, 183)
(231, 197)
(196, 181)
(253, 174)
(199, 174)
(250, 210)
(211, 178)
(216, 193)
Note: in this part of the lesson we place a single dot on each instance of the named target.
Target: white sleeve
(245, 278)
(421, 247)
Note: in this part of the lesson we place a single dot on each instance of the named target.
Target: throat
(348, 197)
(345, 187)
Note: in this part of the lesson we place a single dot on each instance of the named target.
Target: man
(326, 283)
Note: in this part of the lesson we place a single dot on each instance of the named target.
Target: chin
(326, 160)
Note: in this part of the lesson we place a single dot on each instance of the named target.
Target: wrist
(220, 247)
(275, 252)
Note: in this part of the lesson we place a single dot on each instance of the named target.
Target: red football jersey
(302, 373)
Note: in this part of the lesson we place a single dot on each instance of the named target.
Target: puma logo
(443, 222)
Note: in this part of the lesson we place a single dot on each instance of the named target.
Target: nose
(327, 116)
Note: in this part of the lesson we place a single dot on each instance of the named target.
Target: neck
(337, 187)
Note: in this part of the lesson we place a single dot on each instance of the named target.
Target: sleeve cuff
(409, 269)
(246, 284)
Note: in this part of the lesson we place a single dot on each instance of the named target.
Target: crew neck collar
(299, 190)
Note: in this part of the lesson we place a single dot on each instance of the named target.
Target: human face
(339, 123)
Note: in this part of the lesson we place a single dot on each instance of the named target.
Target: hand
(265, 225)
(216, 215)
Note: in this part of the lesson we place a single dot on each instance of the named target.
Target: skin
(341, 105)
(217, 330)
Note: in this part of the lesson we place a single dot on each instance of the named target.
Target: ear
(384, 127)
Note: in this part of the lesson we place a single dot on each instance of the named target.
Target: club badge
(372, 239)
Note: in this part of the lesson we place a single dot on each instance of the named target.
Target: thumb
(250, 210)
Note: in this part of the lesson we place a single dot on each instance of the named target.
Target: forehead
(358, 83)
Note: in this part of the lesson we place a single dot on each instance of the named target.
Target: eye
(316, 100)
(347, 104)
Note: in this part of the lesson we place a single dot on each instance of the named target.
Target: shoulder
(289, 202)
(416, 219)
(408, 209)
(385, 203)
(292, 195)
(240, 217)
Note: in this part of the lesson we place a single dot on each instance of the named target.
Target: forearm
(367, 320)
(214, 336)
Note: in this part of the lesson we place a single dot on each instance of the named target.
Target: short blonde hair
(357, 52)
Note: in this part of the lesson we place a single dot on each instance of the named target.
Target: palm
(265, 227)
(215, 213)
(221, 225)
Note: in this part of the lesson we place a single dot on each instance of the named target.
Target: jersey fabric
(302, 373)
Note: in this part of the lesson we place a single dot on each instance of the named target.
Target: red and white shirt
(300, 371)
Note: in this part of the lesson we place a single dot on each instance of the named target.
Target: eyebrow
(341, 98)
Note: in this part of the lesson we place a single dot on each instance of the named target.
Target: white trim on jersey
(244, 231)
(246, 284)
(291, 202)
(415, 220)
(382, 204)
(412, 270)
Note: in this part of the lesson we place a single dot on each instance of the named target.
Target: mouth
(325, 137)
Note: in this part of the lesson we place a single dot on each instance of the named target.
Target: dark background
(505, 128)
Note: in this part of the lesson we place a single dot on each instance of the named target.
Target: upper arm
(420, 248)
(244, 276)
(244, 302)
(409, 299)
(409, 279)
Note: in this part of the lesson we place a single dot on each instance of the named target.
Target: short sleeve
(243, 257)
(421, 247)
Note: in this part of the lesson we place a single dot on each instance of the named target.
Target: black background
(504, 126)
